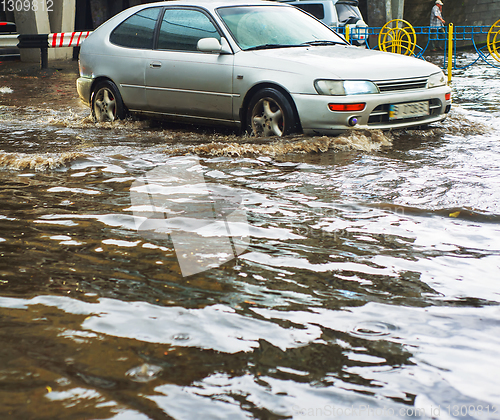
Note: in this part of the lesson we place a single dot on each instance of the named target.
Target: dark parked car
(11, 51)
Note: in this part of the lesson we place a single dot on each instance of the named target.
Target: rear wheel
(271, 114)
(107, 104)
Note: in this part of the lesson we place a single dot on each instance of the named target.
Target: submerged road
(360, 273)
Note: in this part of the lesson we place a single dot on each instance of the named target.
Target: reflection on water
(370, 281)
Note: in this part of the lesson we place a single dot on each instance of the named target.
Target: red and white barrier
(64, 39)
(67, 39)
(44, 42)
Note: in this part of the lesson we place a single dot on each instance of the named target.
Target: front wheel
(271, 114)
(107, 104)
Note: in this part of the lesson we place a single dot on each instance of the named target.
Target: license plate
(409, 110)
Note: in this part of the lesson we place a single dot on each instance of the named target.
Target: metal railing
(44, 42)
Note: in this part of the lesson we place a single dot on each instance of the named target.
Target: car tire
(107, 103)
(270, 113)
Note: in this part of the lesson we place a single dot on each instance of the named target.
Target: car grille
(401, 84)
(380, 115)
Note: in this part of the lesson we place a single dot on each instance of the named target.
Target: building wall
(458, 12)
(417, 12)
(91, 13)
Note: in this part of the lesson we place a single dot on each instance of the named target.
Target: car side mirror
(212, 45)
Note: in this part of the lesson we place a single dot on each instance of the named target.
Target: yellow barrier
(397, 36)
(450, 51)
(494, 40)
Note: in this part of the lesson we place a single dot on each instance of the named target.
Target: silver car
(265, 67)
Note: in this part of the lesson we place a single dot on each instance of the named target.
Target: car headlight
(345, 87)
(436, 80)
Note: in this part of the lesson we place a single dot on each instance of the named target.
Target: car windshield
(274, 27)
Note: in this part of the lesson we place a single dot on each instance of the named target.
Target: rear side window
(348, 13)
(181, 29)
(137, 31)
(315, 9)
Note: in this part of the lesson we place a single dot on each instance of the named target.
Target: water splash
(37, 162)
(373, 328)
(458, 123)
(144, 373)
(363, 140)
(67, 120)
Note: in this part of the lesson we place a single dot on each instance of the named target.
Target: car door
(183, 81)
(133, 40)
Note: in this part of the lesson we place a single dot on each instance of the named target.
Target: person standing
(436, 26)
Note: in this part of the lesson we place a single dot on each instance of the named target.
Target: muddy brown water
(367, 284)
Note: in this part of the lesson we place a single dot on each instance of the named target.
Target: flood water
(367, 283)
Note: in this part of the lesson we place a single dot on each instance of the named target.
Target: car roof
(209, 5)
(214, 4)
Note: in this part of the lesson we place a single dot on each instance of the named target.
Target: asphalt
(18, 67)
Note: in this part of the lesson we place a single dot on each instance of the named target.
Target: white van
(337, 14)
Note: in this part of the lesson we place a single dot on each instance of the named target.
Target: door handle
(155, 65)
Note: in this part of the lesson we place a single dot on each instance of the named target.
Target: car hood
(343, 62)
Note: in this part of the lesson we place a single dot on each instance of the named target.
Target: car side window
(137, 31)
(181, 29)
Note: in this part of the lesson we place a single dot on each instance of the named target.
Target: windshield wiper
(324, 43)
(271, 46)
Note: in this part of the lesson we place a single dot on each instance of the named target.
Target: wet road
(366, 283)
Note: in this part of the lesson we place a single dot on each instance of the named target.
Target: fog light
(347, 107)
(353, 121)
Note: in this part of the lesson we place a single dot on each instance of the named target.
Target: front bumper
(316, 117)
(84, 88)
